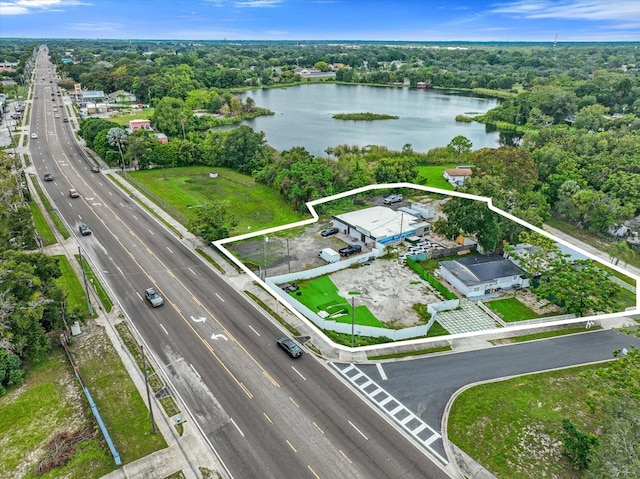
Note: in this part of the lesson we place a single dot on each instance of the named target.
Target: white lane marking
(257, 333)
(135, 217)
(198, 320)
(298, 372)
(359, 431)
(121, 272)
(219, 336)
(234, 423)
(165, 331)
(110, 193)
(219, 297)
(169, 249)
(139, 296)
(194, 273)
(151, 232)
(194, 370)
(381, 371)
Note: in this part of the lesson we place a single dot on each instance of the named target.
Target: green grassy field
(125, 118)
(70, 284)
(434, 173)
(321, 294)
(511, 310)
(512, 427)
(254, 205)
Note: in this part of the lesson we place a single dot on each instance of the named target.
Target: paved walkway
(468, 318)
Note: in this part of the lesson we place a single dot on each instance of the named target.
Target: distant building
(122, 96)
(162, 138)
(92, 95)
(140, 125)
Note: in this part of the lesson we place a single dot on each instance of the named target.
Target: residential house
(456, 176)
(477, 276)
(140, 125)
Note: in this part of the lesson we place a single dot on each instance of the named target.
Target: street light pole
(266, 240)
(353, 318)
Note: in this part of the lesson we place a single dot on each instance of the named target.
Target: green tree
(460, 144)
(213, 221)
(11, 373)
(577, 444)
(581, 286)
(617, 453)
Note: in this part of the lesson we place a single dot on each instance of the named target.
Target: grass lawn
(434, 173)
(125, 118)
(50, 400)
(254, 205)
(321, 294)
(69, 283)
(511, 310)
(512, 427)
(42, 227)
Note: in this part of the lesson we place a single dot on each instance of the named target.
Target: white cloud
(24, 7)
(97, 27)
(258, 3)
(594, 10)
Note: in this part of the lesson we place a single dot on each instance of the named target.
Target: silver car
(154, 298)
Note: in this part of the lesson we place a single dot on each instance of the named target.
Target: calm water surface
(303, 117)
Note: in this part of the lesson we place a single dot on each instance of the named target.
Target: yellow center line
(313, 472)
(345, 456)
(291, 446)
(295, 403)
(268, 418)
(318, 428)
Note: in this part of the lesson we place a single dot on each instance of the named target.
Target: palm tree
(620, 250)
(118, 137)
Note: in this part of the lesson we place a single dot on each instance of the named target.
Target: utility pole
(146, 383)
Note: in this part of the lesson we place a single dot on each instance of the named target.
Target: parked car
(48, 177)
(289, 346)
(154, 298)
(389, 200)
(84, 230)
(349, 250)
(329, 232)
(74, 193)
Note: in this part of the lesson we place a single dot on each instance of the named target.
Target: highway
(265, 414)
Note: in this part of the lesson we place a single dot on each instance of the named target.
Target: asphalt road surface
(265, 414)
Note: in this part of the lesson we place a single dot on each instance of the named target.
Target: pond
(426, 118)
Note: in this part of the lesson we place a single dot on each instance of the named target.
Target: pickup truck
(392, 199)
(349, 250)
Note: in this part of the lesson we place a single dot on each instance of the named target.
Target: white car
(34, 135)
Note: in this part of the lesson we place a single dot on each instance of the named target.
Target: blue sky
(402, 20)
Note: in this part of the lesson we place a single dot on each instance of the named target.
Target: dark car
(95, 169)
(349, 250)
(84, 230)
(329, 232)
(289, 347)
(48, 177)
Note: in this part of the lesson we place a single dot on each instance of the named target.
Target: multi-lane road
(265, 414)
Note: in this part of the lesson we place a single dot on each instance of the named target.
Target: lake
(303, 117)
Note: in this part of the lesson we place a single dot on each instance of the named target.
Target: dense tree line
(32, 305)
